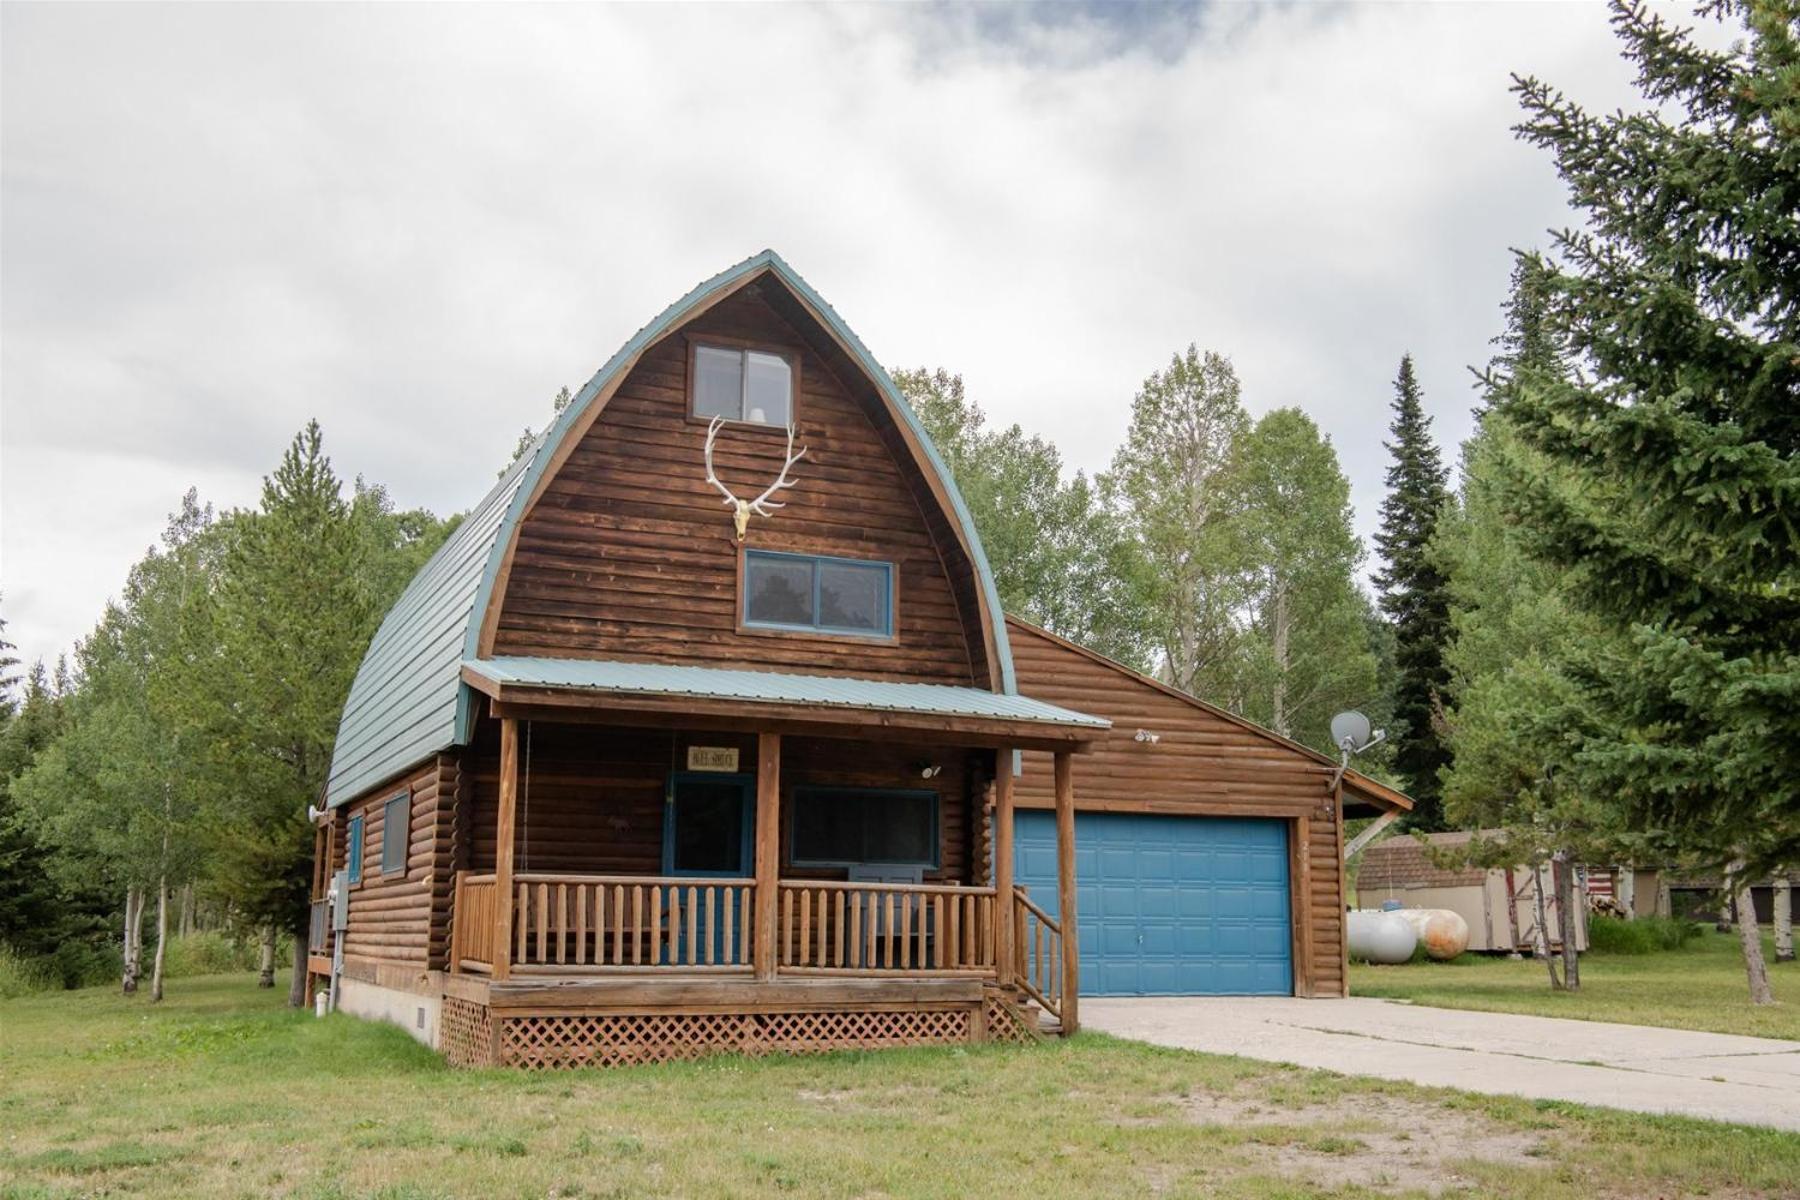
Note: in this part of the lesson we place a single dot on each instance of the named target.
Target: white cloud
(415, 223)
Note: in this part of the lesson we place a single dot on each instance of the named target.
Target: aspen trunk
(1540, 941)
(1278, 718)
(297, 985)
(134, 906)
(266, 967)
(162, 938)
(187, 911)
(1750, 936)
(1784, 919)
(1568, 915)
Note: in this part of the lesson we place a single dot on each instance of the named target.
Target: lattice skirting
(466, 1033)
(562, 1041)
(1005, 1023)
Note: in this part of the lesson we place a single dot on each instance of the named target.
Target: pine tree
(1415, 597)
(1675, 483)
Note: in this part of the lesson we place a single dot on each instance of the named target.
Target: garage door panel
(1170, 905)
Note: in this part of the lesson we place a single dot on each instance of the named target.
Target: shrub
(212, 953)
(20, 976)
(1646, 935)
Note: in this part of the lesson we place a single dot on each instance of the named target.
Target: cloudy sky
(415, 223)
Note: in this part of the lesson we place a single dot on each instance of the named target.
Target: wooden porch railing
(622, 922)
(472, 923)
(1037, 954)
(827, 927)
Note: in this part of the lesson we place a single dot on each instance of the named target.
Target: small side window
(353, 849)
(396, 832)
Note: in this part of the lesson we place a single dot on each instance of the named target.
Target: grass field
(222, 1092)
(1700, 986)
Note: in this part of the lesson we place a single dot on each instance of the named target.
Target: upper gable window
(743, 385)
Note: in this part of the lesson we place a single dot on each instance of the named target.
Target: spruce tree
(1675, 485)
(1415, 596)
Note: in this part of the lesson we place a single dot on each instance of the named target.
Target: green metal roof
(771, 687)
(408, 699)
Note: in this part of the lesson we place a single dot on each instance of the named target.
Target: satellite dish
(1350, 730)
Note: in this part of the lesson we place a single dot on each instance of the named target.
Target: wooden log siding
(395, 920)
(629, 553)
(591, 797)
(1203, 764)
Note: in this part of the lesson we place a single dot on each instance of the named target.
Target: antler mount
(763, 505)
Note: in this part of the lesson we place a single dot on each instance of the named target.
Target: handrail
(837, 927)
(1037, 953)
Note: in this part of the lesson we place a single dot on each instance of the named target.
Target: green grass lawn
(1700, 986)
(223, 1092)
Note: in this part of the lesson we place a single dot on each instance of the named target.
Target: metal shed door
(1170, 906)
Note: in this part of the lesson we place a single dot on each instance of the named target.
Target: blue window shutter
(353, 851)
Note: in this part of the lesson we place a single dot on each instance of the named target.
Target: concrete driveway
(1719, 1076)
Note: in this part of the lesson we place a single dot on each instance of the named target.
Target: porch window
(396, 818)
(825, 595)
(743, 385)
(353, 849)
(850, 827)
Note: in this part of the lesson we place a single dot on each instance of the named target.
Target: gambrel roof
(409, 699)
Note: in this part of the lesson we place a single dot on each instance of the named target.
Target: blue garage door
(1170, 906)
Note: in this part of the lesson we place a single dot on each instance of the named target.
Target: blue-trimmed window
(353, 849)
(850, 827)
(396, 819)
(818, 594)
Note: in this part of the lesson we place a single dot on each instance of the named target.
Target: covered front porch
(645, 880)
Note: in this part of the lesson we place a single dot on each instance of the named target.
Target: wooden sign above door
(712, 758)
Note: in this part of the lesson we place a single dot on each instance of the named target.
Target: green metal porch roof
(771, 687)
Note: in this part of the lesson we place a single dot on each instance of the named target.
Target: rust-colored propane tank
(1442, 932)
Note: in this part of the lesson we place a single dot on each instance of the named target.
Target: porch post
(768, 851)
(1003, 864)
(1065, 891)
(503, 847)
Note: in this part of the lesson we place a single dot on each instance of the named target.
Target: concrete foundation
(417, 1014)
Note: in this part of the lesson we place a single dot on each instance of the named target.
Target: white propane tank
(1443, 932)
(1381, 937)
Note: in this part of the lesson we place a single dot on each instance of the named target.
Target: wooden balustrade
(1037, 954)
(826, 927)
(472, 923)
(623, 922)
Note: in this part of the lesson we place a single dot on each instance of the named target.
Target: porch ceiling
(776, 696)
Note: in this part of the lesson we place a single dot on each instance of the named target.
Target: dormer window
(741, 384)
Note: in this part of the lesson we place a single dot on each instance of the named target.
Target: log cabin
(705, 731)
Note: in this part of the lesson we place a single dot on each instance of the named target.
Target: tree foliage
(1672, 483)
(1171, 480)
(1413, 594)
(1059, 556)
(1307, 654)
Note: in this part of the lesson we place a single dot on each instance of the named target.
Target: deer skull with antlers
(762, 506)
